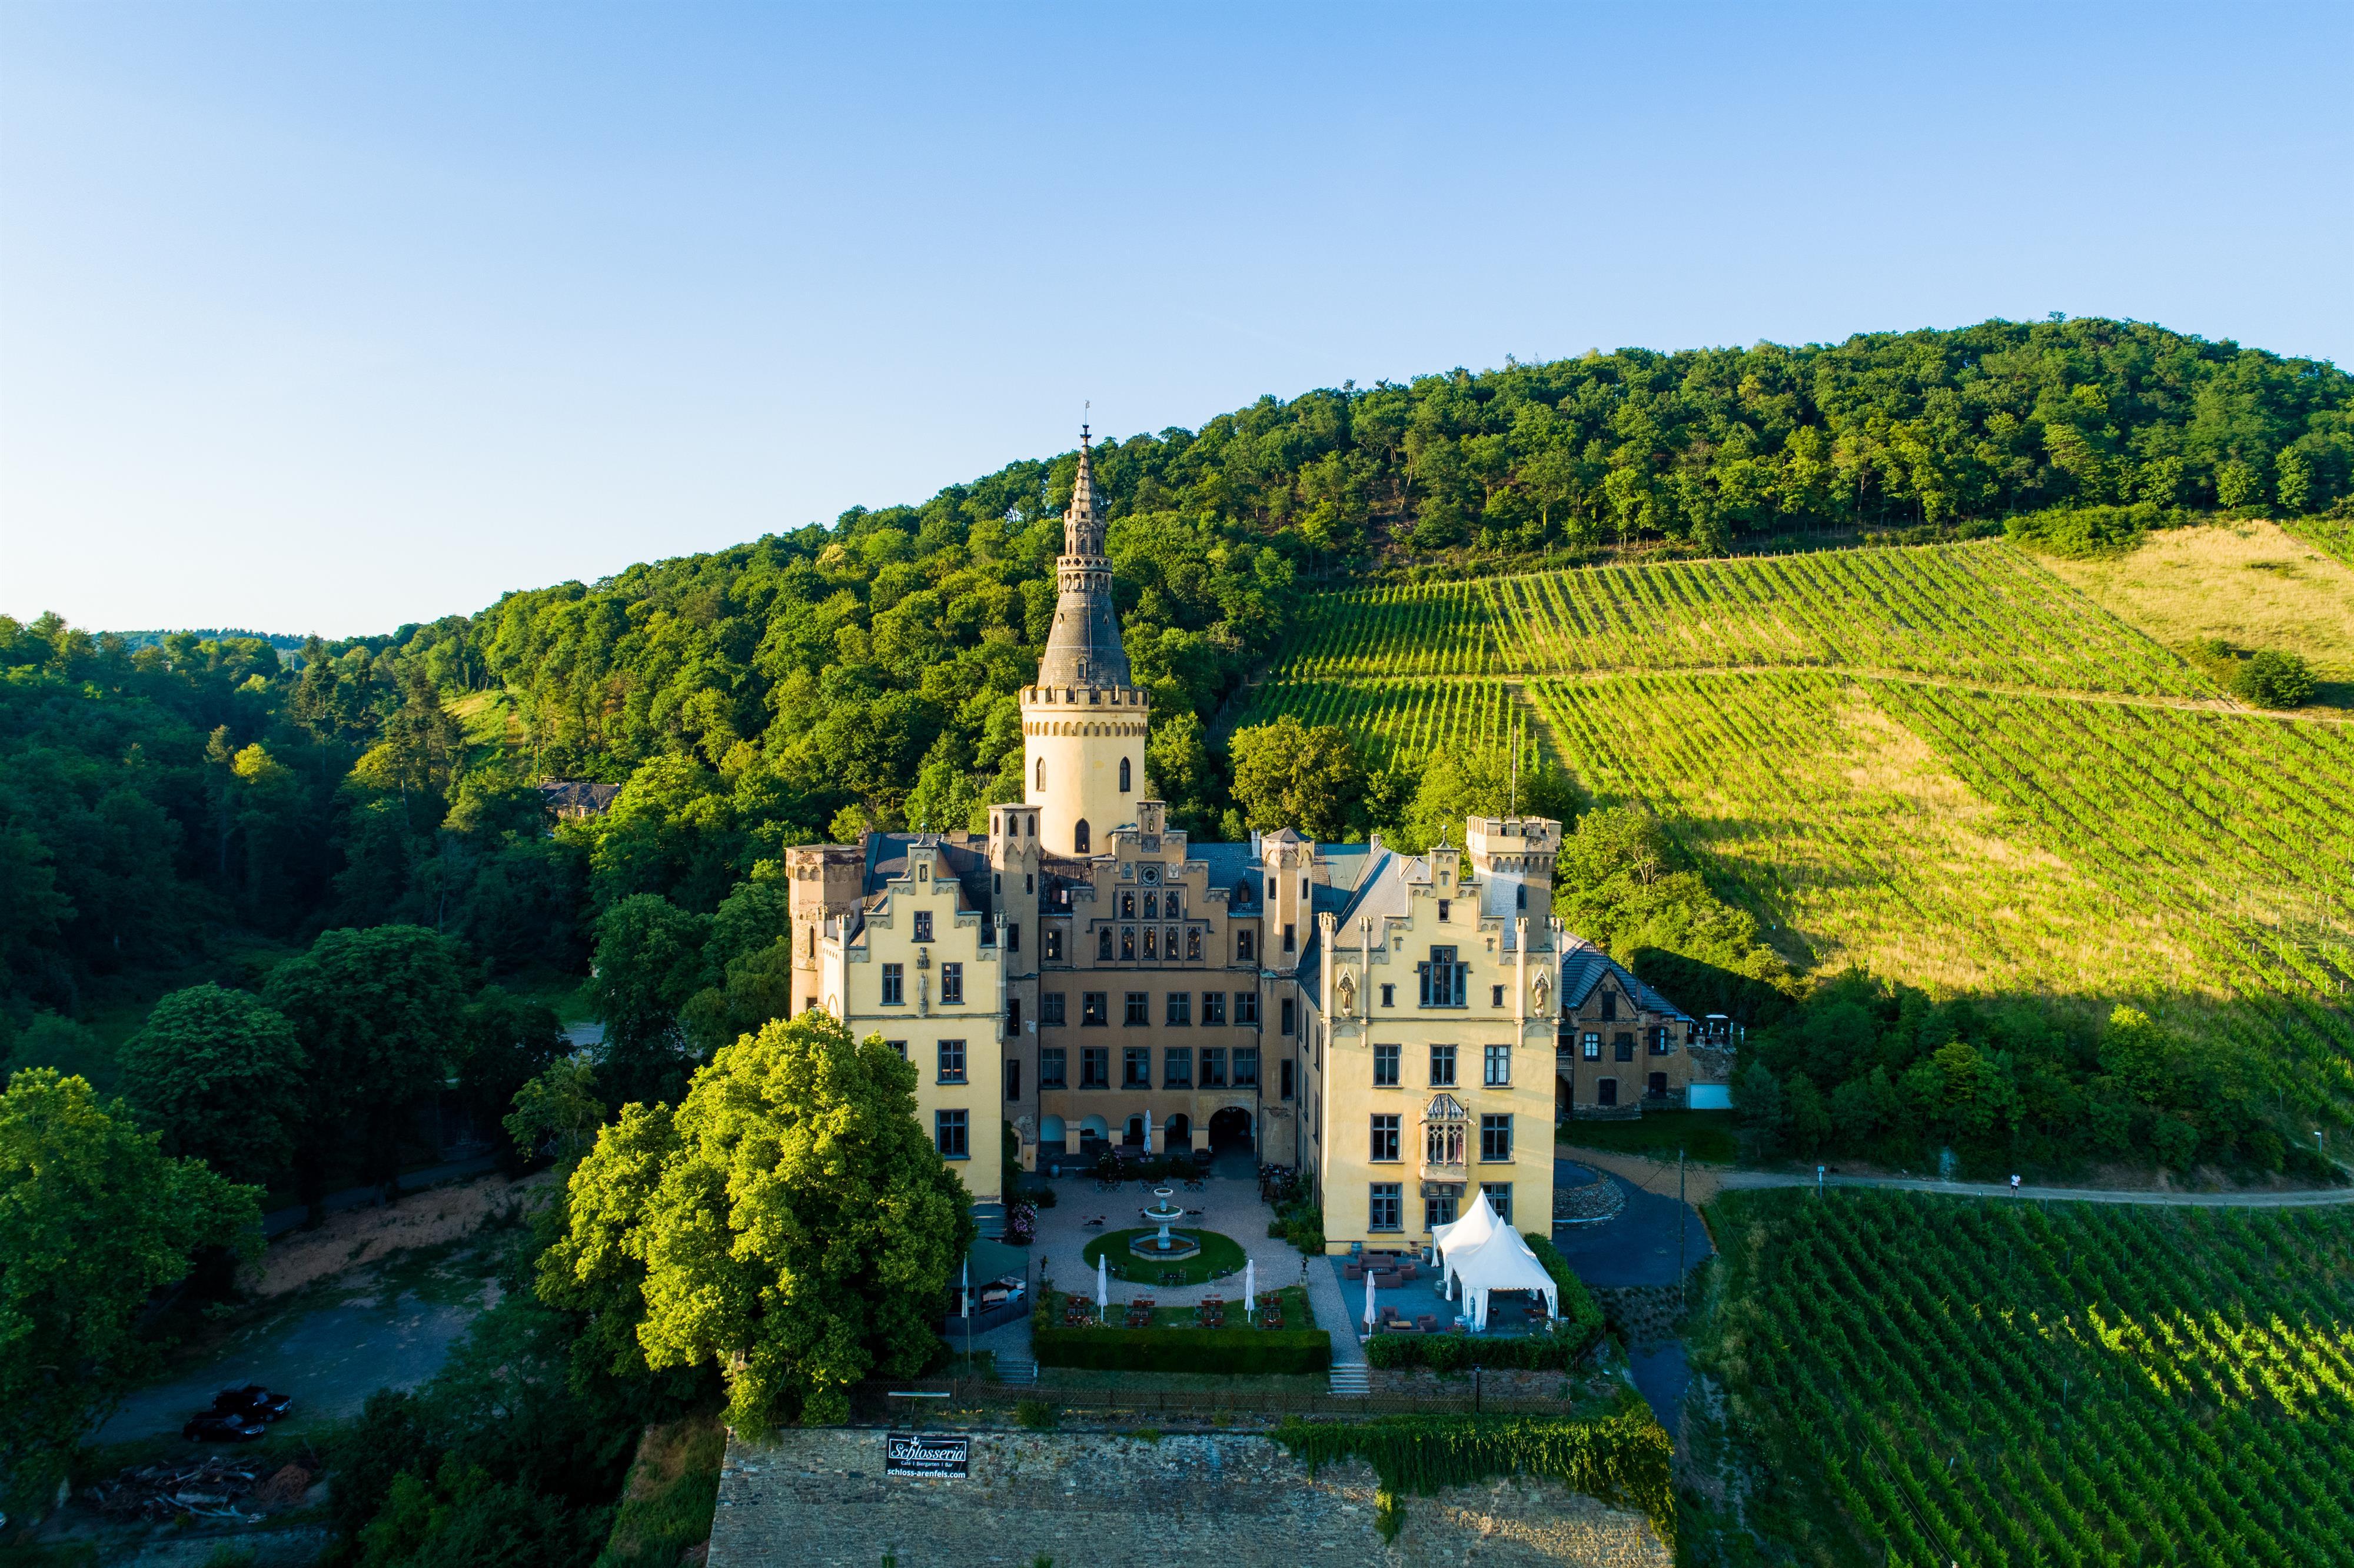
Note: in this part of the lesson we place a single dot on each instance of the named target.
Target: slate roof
(1582, 967)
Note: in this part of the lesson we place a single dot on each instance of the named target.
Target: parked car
(252, 1399)
(215, 1426)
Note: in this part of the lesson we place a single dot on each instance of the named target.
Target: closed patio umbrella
(1250, 1287)
(1369, 1301)
(1103, 1287)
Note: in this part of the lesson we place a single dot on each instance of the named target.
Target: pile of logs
(208, 1488)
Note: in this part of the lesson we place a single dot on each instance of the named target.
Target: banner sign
(927, 1454)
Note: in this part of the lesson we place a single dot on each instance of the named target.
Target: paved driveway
(1636, 1246)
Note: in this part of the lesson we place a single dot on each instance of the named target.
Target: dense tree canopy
(220, 1075)
(93, 1217)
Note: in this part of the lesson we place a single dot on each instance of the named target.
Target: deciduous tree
(219, 1075)
(789, 1221)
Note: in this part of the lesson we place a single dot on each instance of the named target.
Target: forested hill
(796, 686)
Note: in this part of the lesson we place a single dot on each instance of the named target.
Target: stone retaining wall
(818, 1498)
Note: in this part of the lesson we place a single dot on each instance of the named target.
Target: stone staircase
(1351, 1383)
(1015, 1369)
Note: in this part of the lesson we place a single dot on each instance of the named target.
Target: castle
(1398, 1027)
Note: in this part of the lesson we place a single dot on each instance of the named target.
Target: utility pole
(1679, 1225)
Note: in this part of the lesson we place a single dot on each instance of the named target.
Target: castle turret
(1084, 724)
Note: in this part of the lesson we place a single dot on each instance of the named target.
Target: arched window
(1521, 898)
(1042, 773)
(1079, 836)
(1123, 774)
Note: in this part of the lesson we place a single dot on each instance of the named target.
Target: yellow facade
(1086, 977)
(1431, 1065)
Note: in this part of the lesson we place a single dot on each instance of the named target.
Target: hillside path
(1732, 1180)
(1521, 679)
(1703, 1183)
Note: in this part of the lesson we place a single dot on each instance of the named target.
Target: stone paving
(1230, 1204)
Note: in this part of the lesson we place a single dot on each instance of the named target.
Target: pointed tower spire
(1083, 527)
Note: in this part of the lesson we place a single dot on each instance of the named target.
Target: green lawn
(1707, 1137)
(1220, 1255)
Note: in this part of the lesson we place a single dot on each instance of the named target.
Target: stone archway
(1230, 1129)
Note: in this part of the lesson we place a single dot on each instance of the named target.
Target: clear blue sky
(329, 317)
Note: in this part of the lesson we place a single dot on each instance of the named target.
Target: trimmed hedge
(1184, 1350)
(1623, 1457)
(1578, 1327)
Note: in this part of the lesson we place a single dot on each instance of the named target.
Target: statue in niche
(1540, 992)
(1348, 990)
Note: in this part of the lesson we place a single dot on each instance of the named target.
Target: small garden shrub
(2273, 680)
(1037, 1415)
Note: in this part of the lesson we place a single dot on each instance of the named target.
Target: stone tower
(1083, 724)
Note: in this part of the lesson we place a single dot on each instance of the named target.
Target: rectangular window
(1152, 944)
(1128, 944)
(1659, 1041)
(1214, 1007)
(951, 985)
(1013, 1015)
(1245, 946)
(1593, 1047)
(1213, 1066)
(1622, 1046)
(1498, 1066)
(1095, 1067)
(952, 1061)
(1500, 1198)
(1385, 1137)
(1246, 1066)
(1442, 1067)
(1496, 1138)
(1385, 1066)
(1609, 1006)
(923, 925)
(1290, 1015)
(1288, 1064)
(1181, 1007)
(1291, 938)
(1014, 936)
(899, 1045)
(1444, 904)
(1095, 1009)
(1385, 1209)
(1389, 996)
(1140, 1009)
(1437, 1211)
(1177, 1067)
(894, 985)
(1247, 1008)
(1054, 940)
(1050, 1008)
(1443, 980)
(1495, 996)
(1051, 1069)
(1012, 1080)
(1193, 944)
(1135, 1068)
(950, 1125)
(1103, 946)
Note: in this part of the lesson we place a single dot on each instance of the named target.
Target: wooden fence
(909, 1397)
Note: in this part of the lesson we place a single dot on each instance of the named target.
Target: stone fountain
(1165, 1213)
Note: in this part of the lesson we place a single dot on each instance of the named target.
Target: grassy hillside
(1918, 1380)
(1951, 764)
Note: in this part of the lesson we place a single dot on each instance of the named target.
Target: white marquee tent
(1481, 1252)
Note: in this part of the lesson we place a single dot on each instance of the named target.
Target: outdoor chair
(1408, 1271)
(1353, 1271)
(1428, 1323)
